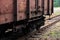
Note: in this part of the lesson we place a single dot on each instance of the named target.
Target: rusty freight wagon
(23, 15)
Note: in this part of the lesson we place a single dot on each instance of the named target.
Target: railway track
(44, 28)
(52, 17)
(35, 35)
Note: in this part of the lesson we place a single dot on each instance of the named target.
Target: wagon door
(32, 8)
(41, 6)
(45, 6)
(50, 6)
(21, 9)
(35, 10)
(6, 11)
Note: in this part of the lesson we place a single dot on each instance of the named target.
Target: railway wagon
(23, 15)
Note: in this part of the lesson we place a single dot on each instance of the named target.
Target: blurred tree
(56, 3)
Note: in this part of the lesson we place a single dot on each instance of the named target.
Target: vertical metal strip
(42, 7)
(36, 6)
(52, 6)
(27, 9)
(48, 8)
(14, 14)
(15, 10)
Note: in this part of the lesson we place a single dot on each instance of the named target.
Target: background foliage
(56, 3)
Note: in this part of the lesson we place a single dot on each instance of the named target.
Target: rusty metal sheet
(40, 8)
(21, 16)
(6, 6)
(2, 19)
(45, 6)
(40, 5)
(21, 8)
(6, 11)
(50, 6)
(33, 8)
(8, 18)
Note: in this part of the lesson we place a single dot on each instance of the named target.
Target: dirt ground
(53, 15)
(53, 33)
